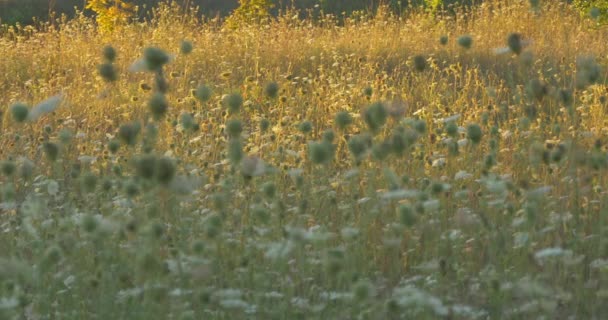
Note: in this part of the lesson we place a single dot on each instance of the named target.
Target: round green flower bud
(19, 111)
(186, 47)
(158, 105)
(155, 58)
(203, 93)
(419, 63)
(271, 90)
(474, 133)
(234, 102)
(51, 150)
(109, 53)
(465, 41)
(108, 72)
(234, 128)
(165, 170)
(343, 119)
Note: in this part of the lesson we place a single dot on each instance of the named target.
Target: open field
(415, 167)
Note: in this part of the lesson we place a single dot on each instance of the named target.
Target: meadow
(423, 166)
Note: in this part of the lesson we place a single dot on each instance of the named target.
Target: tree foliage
(111, 13)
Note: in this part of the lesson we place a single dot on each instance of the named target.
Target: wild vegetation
(427, 166)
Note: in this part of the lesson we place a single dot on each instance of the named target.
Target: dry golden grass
(527, 184)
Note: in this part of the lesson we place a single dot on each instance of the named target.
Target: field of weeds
(379, 167)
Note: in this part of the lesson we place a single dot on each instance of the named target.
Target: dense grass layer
(384, 168)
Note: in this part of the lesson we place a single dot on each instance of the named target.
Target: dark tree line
(22, 11)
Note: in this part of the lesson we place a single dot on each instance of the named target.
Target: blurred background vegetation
(27, 11)
(23, 11)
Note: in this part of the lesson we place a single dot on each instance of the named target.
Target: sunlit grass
(380, 167)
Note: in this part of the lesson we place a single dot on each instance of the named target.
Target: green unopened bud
(474, 133)
(514, 43)
(128, 133)
(203, 93)
(186, 47)
(109, 53)
(465, 41)
(320, 152)
(235, 151)
(234, 128)
(271, 90)
(158, 105)
(343, 119)
(407, 215)
(375, 116)
(108, 72)
(165, 170)
(89, 182)
(51, 150)
(305, 127)
(8, 167)
(264, 124)
(89, 223)
(146, 166)
(155, 58)
(234, 102)
(19, 111)
(419, 63)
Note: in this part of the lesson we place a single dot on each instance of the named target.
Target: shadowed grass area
(384, 167)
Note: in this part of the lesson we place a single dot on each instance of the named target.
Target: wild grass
(382, 167)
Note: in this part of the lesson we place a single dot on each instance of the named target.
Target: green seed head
(234, 128)
(269, 189)
(451, 129)
(474, 133)
(89, 182)
(109, 54)
(362, 290)
(158, 105)
(89, 223)
(146, 166)
(155, 58)
(329, 135)
(357, 146)
(465, 41)
(19, 111)
(407, 215)
(51, 150)
(368, 91)
(108, 72)
(165, 170)
(203, 93)
(8, 167)
(113, 146)
(234, 102)
(186, 47)
(128, 133)
(419, 63)
(27, 169)
(375, 116)
(343, 119)
(514, 42)
(271, 90)
(420, 126)
(187, 121)
(131, 189)
(264, 124)
(305, 127)
(443, 40)
(320, 152)
(235, 151)
(65, 136)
